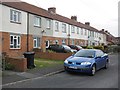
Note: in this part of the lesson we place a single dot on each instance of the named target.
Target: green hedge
(114, 48)
(93, 47)
(106, 49)
(99, 47)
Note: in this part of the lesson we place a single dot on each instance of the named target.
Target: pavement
(12, 76)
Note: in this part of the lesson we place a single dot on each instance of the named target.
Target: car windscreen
(79, 47)
(85, 53)
(67, 47)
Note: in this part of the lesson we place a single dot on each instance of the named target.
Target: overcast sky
(102, 14)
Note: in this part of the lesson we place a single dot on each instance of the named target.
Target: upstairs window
(64, 28)
(15, 16)
(72, 29)
(48, 23)
(56, 26)
(88, 33)
(77, 30)
(92, 34)
(81, 31)
(85, 32)
(15, 41)
(37, 21)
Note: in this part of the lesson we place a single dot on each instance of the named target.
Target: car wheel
(106, 65)
(93, 70)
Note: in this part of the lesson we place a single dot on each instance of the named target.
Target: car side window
(99, 53)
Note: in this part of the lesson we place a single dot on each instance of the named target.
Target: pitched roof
(42, 12)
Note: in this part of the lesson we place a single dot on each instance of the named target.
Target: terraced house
(24, 27)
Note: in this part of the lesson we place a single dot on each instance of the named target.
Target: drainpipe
(27, 32)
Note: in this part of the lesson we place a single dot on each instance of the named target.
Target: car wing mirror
(104, 55)
(73, 54)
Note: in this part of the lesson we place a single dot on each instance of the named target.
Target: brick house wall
(16, 52)
(52, 41)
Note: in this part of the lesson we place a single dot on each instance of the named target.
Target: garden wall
(17, 64)
(52, 55)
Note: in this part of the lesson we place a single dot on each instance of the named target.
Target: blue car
(87, 61)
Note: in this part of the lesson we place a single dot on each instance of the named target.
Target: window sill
(36, 47)
(48, 28)
(15, 22)
(64, 32)
(56, 30)
(15, 48)
(37, 26)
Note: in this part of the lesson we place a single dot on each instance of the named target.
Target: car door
(99, 59)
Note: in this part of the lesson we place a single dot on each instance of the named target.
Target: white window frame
(63, 27)
(48, 23)
(37, 21)
(56, 26)
(36, 42)
(48, 43)
(85, 32)
(15, 16)
(73, 42)
(81, 31)
(64, 41)
(18, 42)
(72, 29)
(88, 32)
(92, 33)
(78, 30)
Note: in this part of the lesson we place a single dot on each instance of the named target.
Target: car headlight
(85, 63)
(66, 61)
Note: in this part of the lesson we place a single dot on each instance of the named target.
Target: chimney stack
(52, 10)
(106, 31)
(103, 30)
(87, 23)
(74, 18)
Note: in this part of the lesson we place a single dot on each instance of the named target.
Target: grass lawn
(42, 63)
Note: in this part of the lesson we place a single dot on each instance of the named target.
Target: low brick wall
(52, 56)
(20, 64)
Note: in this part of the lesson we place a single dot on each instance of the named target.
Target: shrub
(84, 47)
(89, 47)
(9, 66)
(51, 51)
(114, 48)
(99, 47)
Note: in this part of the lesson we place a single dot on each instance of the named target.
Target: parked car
(87, 60)
(76, 47)
(67, 48)
(60, 48)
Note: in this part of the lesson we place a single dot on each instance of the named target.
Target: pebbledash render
(24, 27)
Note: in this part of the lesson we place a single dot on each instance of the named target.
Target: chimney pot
(74, 18)
(52, 10)
(87, 23)
(106, 31)
(103, 30)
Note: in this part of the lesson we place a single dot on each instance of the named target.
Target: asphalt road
(104, 78)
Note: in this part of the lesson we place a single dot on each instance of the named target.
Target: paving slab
(12, 76)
